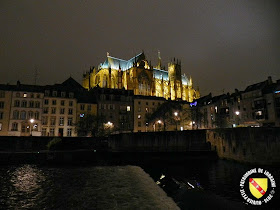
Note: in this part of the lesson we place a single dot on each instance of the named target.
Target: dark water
(198, 184)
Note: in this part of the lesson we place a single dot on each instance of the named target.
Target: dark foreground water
(198, 184)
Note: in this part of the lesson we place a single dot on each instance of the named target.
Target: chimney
(18, 83)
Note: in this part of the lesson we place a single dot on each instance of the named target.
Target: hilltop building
(139, 75)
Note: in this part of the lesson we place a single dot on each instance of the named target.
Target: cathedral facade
(139, 75)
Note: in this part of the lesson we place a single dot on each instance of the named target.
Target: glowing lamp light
(237, 113)
(176, 114)
(32, 120)
(159, 121)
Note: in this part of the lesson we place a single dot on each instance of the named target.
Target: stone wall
(248, 145)
(37, 143)
(169, 141)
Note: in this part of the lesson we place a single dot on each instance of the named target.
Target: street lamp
(31, 126)
(176, 115)
(159, 123)
(237, 113)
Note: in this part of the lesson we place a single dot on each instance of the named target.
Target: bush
(55, 144)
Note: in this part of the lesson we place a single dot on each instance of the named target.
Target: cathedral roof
(159, 74)
(116, 63)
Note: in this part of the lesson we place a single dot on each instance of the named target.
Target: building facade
(139, 75)
(257, 106)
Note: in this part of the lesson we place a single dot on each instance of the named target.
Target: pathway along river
(198, 184)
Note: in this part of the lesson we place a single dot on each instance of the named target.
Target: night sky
(222, 44)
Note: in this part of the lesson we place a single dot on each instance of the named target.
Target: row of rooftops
(265, 87)
(84, 96)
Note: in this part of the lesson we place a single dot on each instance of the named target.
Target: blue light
(278, 91)
(82, 115)
(193, 104)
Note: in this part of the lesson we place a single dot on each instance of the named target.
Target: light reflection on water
(22, 186)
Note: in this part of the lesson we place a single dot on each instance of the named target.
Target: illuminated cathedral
(139, 75)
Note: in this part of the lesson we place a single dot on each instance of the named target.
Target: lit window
(82, 115)
(216, 109)
(147, 109)
(139, 116)
(128, 108)
(259, 113)
(24, 95)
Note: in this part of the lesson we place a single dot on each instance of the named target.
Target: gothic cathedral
(138, 74)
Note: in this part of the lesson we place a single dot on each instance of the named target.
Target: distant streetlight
(159, 123)
(237, 113)
(31, 126)
(176, 119)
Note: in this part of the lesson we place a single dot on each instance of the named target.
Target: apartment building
(258, 105)
(5, 108)
(144, 105)
(115, 107)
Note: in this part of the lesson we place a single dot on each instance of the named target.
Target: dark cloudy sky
(222, 44)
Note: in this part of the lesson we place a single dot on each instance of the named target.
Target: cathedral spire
(159, 61)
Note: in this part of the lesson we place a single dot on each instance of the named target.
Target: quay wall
(247, 145)
(168, 141)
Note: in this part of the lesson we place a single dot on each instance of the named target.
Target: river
(197, 184)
